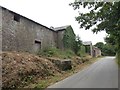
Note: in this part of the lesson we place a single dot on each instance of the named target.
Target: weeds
(54, 52)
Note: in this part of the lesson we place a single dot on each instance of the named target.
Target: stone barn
(22, 34)
(18, 33)
(65, 37)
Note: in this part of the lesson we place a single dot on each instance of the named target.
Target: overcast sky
(54, 13)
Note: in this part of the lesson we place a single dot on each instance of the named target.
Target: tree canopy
(107, 49)
(105, 15)
(100, 45)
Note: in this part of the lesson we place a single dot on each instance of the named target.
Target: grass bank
(58, 77)
(54, 52)
(36, 71)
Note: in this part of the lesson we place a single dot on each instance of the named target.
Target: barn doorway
(37, 45)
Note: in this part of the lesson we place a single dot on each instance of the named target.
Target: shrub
(68, 53)
(81, 52)
(54, 52)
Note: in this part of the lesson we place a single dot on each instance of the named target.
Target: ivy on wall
(81, 52)
(69, 38)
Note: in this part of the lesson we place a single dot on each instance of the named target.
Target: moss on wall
(69, 38)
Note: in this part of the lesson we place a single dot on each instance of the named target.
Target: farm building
(18, 33)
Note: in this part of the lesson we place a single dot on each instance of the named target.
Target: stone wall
(0, 29)
(0, 47)
(22, 34)
(96, 52)
(60, 39)
(62, 64)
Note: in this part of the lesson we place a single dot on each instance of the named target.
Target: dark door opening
(37, 46)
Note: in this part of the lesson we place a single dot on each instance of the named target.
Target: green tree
(78, 44)
(110, 39)
(108, 50)
(104, 15)
(100, 45)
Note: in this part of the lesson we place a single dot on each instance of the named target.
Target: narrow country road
(101, 74)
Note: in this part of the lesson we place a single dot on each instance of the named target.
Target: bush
(68, 53)
(49, 52)
(81, 52)
(54, 52)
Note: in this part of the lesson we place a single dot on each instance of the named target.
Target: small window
(17, 17)
(36, 41)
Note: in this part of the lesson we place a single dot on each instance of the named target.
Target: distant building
(96, 52)
(92, 50)
(22, 34)
(88, 43)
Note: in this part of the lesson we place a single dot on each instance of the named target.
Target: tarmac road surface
(101, 74)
